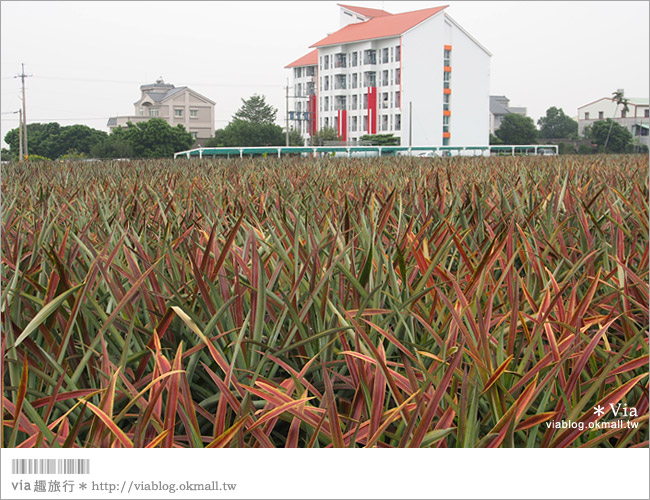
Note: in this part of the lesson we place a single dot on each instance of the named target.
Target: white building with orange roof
(418, 75)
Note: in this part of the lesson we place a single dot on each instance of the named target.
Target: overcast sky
(88, 59)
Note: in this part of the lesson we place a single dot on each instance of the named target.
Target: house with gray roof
(500, 107)
(175, 105)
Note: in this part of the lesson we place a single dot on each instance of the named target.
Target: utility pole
(287, 110)
(22, 76)
(20, 135)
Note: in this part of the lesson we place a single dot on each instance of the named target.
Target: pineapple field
(324, 302)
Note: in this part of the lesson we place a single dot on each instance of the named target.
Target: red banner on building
(343, 124)
(372, 110)
(313, 117)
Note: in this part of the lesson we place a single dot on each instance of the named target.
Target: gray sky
(88, 59)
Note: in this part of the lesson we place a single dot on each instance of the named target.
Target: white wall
(422, 84)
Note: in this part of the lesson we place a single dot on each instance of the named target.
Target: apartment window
(370, 56)
(447, 57)
(355, 81)
(445, 123)
(384, 100)
(586, 116)
(398, 77)
(326, 104)
(601, 115)
(194, 113)
(646, 113)
(326, 62)
(355, 102)
(353, 124)
(153, 112)
(178, 113)
(195, 135)
(310, 71)
(392, 54)
(384, 54)
(447, 79)
(384, 122)
(327, 82)
(398, 99)
(354, 58)
(398, 53)
(340, 103)
(321, 83)
(339, 60)
(365, 101)
(298, 89)
(370, 79)
(297, 72)
(340, 81)
(398, 122)
(327, 122)
(446, 101)
(384, 77)
(365, 123)
(445, 141)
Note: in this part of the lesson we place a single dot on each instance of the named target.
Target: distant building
(636, 119)
(500, 107)
(175, 105)
(418, 75)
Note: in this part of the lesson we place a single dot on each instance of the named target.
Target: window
(384, 77)
(370, 79)
(384, 100)
(601, 115)
(445, 141)
(153, 112)
(327, 82)
(365, 101)
(384, 122)
(370, 56)
(398, 53)
(646, 113)
(398, 77)
(327, 122)
(141, 111)
(398, 122)
(298, 89)
(297, 72)
(354, 59)
(392, 54)
(340, 81)
(445, 101)
(447, 58)
(355, 80)
(355, 102)
(195, 135)
(339, 60)
(445, 123)
(353, 124)
(340, 102)
(326, 62)
(398, 99)
(194, 113)
(586, 116)
(447, 79)
(365, 123)
(178, 113)
(623, 114)
(326, 104)
(384, 54)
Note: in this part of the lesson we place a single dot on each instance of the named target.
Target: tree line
(254, 125)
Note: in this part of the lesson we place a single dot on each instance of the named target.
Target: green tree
(381, 139)
(557, 125)
(609, 136)
(255, 109)
(619, 99)
(323, 135)
(154, 138)
(517, 129)
(113, 146)
(295, 138)
(243, 133)
(53, 141)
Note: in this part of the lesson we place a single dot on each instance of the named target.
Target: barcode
(50, 466)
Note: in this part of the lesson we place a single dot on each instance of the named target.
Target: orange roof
(366, 12)
(310, 59)
(379, 27)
